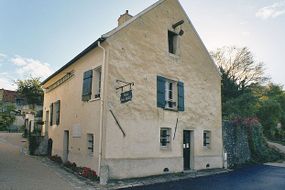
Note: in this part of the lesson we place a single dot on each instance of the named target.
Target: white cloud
(245, 33)
(26, 67)
(6, 82)
(271, 11)
(2, 56)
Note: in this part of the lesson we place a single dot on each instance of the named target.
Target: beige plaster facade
(137, 51)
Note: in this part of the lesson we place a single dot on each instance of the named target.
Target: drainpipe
(102, 106)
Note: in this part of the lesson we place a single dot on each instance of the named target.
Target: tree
(6, 115)
(239, 65)
(240, 75)
(271, 110)
(31, 90)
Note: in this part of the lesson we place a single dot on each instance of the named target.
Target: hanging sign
(126, 96)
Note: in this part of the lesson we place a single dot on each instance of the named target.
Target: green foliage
(31, 89)
(271, 111)
(243, 106)
(260, 152)
(7, 116)
(269, 115)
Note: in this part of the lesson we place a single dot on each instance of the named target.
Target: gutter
(102, 103)
(84, 52)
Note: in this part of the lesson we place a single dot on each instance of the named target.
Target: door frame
(191, 156)
(65, 145)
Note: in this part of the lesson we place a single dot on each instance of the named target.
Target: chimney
(124, 17)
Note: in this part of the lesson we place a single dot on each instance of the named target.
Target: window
(170, 94)
(54, 113)
(206, 138)
(57, 112)
(164, 137)
(91, 89)
(51, 114)
(87, 85)
(19, 102)
(172, 42)
(97, 88)
(90, 143)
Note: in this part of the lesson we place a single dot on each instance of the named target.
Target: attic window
(172, 42)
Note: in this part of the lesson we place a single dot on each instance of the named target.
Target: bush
(56, 159)
(260, 151)
(88, 173)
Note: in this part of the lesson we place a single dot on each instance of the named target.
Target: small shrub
(88, 173)
(56, 159)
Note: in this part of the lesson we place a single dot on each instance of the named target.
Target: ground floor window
(206, 138)
(90, 143)
(165, 137)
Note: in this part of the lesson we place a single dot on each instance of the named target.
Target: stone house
(143, 99)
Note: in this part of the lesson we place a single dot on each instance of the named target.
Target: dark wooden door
(186, 149)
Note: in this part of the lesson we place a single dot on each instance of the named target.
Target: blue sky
(37, 37)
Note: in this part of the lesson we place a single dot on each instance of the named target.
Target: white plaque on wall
(76, 131)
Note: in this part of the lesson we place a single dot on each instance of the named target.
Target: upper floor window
(97, 87)
(91, 84)
(170, 94)
(172, 42)
(54, 113)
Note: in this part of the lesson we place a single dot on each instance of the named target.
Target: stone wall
(235, 143)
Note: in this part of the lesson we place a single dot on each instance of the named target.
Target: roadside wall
(235, 143)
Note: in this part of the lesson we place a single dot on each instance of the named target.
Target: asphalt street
(256, 177)
(21, 172)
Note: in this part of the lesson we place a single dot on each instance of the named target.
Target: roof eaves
(81, 54)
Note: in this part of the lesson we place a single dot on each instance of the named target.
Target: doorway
(187, 149)
(65, 145)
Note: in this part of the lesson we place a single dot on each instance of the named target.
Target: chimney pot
(124, 17)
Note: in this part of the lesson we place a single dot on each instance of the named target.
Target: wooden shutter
(51, 114)
(57, 108)
(180, 87)
(160, 92)
(87, 85)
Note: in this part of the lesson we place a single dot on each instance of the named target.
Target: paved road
(21, 172)
(278, 146)
(258, 177)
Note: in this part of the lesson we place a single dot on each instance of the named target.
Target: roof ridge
(118, 28)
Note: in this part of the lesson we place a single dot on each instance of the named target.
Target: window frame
(173, 101)
(173, 39)
(90, 144)
(167, 138)
(97, 83)
(207, 138)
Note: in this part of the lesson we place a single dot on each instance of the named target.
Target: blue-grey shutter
(160, 92)
(180, 87)
(87, 85)
(51, 114)
(57, 112)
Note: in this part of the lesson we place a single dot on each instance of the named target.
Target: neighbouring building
(10, 97)
(25, 114)
(143, 99)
